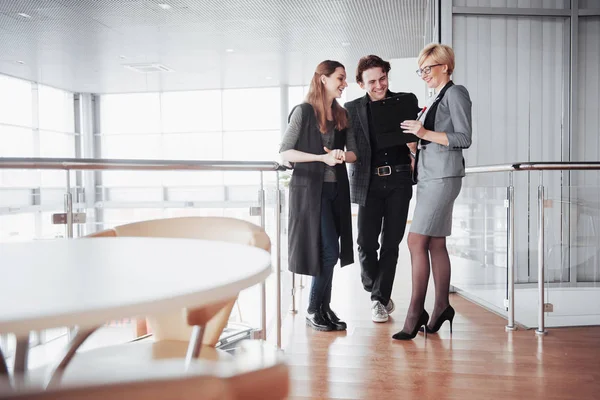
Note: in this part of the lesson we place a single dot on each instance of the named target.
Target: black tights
(421, 248)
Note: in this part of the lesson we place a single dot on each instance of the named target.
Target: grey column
(573, 120)
(87, 149)
(284, 106)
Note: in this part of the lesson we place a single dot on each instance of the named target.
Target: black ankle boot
(318, 321)
(335, 322)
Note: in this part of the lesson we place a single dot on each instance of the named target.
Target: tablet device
(386, 116)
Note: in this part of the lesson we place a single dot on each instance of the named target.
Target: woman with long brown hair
(319, 142)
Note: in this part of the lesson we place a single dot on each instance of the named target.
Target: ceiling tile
(81, 45)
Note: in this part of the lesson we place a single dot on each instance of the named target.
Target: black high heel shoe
(423, 319)
(447, 315)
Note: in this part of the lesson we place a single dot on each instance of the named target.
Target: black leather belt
(386, 170)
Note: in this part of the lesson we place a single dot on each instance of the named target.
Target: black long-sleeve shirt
(395, 155)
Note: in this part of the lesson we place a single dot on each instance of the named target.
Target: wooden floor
(479, 361)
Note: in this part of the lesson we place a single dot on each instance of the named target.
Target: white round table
(87, 282)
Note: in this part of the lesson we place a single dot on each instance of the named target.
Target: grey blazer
(453, 116)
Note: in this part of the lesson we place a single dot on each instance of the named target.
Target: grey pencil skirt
(435, 201)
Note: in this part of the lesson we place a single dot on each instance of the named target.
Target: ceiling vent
(148, 67)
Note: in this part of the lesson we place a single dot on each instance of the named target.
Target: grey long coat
(304, 228)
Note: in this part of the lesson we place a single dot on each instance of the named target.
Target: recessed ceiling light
(24, 15)
(268, 77)
(148, 67)
(229, 50)
(345, 44)
(20, 62)
(122, 57)
(164, 6)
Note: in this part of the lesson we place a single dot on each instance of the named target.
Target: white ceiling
(82, 45)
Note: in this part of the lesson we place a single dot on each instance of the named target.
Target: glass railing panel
(120, 197)
(28, 201)
(478, 245)
(17, 227)
(26, 212)
(572, 229)
(182, 193)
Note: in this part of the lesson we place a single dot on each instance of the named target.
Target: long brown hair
(316, 97)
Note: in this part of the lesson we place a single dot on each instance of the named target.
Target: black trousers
(384, 214)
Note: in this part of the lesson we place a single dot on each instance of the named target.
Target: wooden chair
(187, 333)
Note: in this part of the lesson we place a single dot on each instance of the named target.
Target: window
(56, 134)
(56, 111)
(198, 111)
(16, 134)
(296, 95)
(251, 109)
(15, 102)
(35, 121)
(130, 113)
(231, 124)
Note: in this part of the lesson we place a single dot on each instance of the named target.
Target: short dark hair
(368, 62)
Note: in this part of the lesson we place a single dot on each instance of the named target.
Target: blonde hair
(316, 97)
(440, 53)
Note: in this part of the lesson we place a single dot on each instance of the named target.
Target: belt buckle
(386, 168)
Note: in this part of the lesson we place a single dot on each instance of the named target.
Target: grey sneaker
(378, 312)
(390, 307)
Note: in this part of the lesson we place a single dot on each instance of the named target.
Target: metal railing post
(3, 365)
(69, 207)
(293, 309)
(278, 254)
(541, 306)
(511, 255)
(20, 361)
(71, 331)
(263, 285)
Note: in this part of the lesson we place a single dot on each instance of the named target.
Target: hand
(330, 158)
(414, 127)
(412, 146)
(336, 153)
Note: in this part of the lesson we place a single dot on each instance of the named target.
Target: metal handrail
(534, 166)
(528, 166)
(262, 166)
(143, 165)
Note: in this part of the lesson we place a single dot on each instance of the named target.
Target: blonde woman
(444, 131)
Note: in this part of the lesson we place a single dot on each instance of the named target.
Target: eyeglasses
(427, 69)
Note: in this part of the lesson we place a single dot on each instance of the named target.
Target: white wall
(585, 185)
(403, 78)
(517, 71)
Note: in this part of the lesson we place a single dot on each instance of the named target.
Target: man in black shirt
(381, 184)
